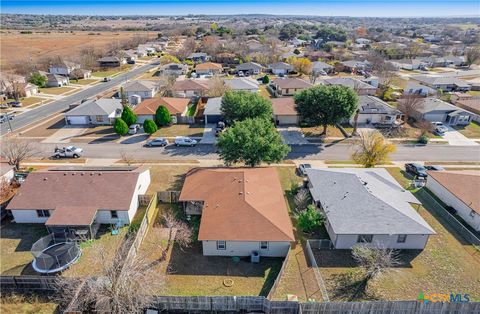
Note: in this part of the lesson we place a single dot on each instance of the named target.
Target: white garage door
(287, 120)
(77, 119)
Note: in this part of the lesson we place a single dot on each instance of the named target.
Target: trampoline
(52, 255)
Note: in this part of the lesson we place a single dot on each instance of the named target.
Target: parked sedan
(185, 141)
(302, 169)
(159, 141)
(15, 104)
(4, 106)
(435, 168)
(416, 169)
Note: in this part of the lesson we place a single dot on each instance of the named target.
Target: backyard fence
(27, 283)
(316, 271)
(144, 200)
(449, 218)
(279, 276)
(168, 196)
(185, 120)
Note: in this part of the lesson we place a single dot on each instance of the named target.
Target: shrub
(128, 116)
(162, 116)
(265, 79)
(423, 139)
(120, 127)
(149, 126)
(310, 219)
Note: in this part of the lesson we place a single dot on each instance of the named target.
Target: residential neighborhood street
(134, 148)
(40, 113)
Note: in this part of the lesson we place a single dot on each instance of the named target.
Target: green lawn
(471, 131)
(56, 90)
(474, 92)
(83, 81)
(106, 73)
(447, 264)
(15, 244)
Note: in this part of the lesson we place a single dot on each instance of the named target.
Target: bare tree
(178, 232)
(374, 261)
(76, 74)
(355, 123)
(217, 87)
(409, 104)
(15, 150)
(126, 157)
(14, 86)
(122, 285)
(6, 189)
(472, 56)
(189, 46)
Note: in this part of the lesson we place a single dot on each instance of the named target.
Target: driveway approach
(37, 114)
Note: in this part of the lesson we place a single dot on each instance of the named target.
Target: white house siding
(435, 117)
(73, 120)
(28, 216)
(451, 200)
(141, 118)
(105, 217)
(279, 71)
(413, 241)
(245, 248)
(8, 176)
(143, 94)
(140, 188)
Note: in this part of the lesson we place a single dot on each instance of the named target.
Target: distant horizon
(310, 8)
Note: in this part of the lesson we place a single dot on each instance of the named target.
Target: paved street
(43, 112)
(134, 148)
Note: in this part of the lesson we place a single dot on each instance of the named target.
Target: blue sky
(291, 7)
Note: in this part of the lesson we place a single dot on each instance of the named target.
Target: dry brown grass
(26, 304)
(167, 178)
(64, 44)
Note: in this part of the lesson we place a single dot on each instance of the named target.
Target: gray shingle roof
(372, 104)
(241, 84)
(136, 86)
(213, 106)
(99, 107)
(249, 66)
(366, 201)
(349, 82)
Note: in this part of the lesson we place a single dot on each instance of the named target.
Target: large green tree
(38, 79)
(326, 105)
(241, 105)
(120, 127)
(252, 142)
(128, 116)
(149, 126)
(162, 116)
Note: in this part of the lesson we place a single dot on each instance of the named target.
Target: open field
(65, 44)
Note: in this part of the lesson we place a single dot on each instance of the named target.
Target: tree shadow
(135, 139)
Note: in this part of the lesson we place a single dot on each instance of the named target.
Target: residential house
(63, 67)
(77, 201)
(110, 62)
(130, 55)
(352, 66)
(199, 57)
(286, 86)
(360, 87)
(471, 105)
(226, 58)
(250, 68)
(433, 110)
(28, 89)
(372, 110)
(173, 69)
(243, 211)
(176, 106)
(208, 68)
(414, 87)
(143, 88)
(212, 112)
(7, 171)
(458, 189)
(55, 80)
(367, 207)
(363, 41)
(284, 112)
(190, 88)
(242, 84)
(319, 66)
(446, 84)
(409, 64)
(316, 55)
(96, 111)
(79, 74)
(280, 68)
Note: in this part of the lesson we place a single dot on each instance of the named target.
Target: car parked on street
(107, 79)
(4, 106)
(302, 169)
(439, 127)
(68, 152)
(159, 141)
(185, 141)
(15, 104)
(416, 169)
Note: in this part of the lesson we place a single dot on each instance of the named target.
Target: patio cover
(66, 215)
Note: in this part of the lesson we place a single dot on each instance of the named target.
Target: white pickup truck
(68, 152)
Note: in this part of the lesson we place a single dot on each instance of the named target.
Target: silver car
(159, 141)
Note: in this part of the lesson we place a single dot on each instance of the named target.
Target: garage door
(212, 118)
(77, 119)
(287, 120)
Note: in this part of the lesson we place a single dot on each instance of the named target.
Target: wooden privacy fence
(168, 196)
(27, 283)
(279, 276)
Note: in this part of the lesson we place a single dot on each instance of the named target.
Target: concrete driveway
(209, 134)
(64, 134)
(456, 138)
(292, 135)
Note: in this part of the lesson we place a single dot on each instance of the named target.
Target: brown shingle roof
(284, 106)
(472, 104)
(150, 106)
(208, 66)
(76, 190)
(72, 215)
(291, 82)
(463, 184)
(190, 85)
(240, 204)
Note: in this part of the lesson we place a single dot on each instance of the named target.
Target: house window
(264, 245)
(402, 238)
(221, 245)
(43, 213)
(365, 238)
(472, 213)
(114, 214)
(99, 118)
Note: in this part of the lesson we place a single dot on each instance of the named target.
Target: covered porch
(73, 222)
